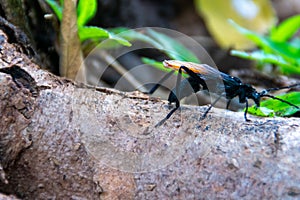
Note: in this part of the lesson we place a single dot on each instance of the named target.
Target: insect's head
(251, 93)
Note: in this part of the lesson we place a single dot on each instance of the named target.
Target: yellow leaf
(255, 15)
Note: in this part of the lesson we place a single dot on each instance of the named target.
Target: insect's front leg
(246, 110)
(173, 98)
(177, 105)
(228, 103)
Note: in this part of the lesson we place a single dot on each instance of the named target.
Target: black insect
(202, 76)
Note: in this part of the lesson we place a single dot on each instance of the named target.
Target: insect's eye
(256, 98)
(255, 95)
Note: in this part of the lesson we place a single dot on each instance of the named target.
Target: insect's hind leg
(209, 108)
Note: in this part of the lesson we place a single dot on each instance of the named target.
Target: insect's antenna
(281, 88)
(284, 101)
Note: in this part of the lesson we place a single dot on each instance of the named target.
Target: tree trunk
(61, 140)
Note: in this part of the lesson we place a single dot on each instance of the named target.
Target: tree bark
(61, 140)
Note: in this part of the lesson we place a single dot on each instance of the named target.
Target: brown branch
(61, 140)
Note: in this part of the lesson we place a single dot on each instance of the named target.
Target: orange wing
(201, 69)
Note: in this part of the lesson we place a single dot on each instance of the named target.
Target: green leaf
(283, 48)
(92, 32)
(273, 107)
(261, 111)
(57, 9)
(118, 30)
(119, 39)
(254, 37)
(295, 42)
(261, 56)
(96, 33)
(286, 29)
(132, 35)
(162, 42)
(128, 35)
(156, 64)
(172, 48)
(284, 54)
(86, 10)
(286, 50)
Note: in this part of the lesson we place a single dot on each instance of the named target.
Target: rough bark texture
(60, 140)
(33, 121)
